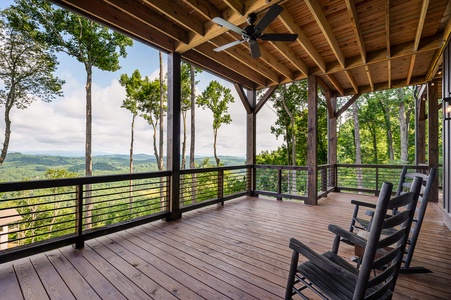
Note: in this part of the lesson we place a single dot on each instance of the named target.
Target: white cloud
(60, 125)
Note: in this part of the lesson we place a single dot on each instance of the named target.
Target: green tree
(26, 68)
(216, 98)
(91, 44)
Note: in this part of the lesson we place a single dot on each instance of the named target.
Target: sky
(59, 126)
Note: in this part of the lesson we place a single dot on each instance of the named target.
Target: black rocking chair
(332, 277)
(404, 185)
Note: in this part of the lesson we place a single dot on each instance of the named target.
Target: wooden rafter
(351, 79)
(389, 74)
(289, 23)
(336, 84)
(356, 26)
(205, 8)
(236, 5)
(387, 28)
(421, 19)
(289, 54)
(318, 15)
(411, 66)
(370, 80)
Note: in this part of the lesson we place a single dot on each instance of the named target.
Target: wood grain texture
(238, 251)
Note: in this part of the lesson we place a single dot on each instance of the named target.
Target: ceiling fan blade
(279, 37)
(224, 23)
(255, 50)
(270, 15)
(226, 46)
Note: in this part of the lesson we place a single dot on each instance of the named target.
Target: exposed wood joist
(244, 59)
(389, 73)
(356, 26)
(289, 23)
(289, 54)
(387, 28)
(172, 10)
(324, 86)
(212, 30)
(318, 15)
(410, 71)
(336, 84)
(236, 5)
(205, 8)
(351, 79)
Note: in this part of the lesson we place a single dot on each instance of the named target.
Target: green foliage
(216, 98)
(26, 71)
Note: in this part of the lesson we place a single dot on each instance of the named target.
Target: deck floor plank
(53, 283)
(9, 287)
(30, 283)
(76, 283)
(236, 251)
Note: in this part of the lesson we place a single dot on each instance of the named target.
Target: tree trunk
(358, 153)
(183, 165)
(132, 139)
(386, 111)
(404, 128)
(8, 107)
(373, 133)
(215, 135)
(161, 140)
(193, 133)
(193, 120)
(88, 149)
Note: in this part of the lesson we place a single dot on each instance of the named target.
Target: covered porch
(236, 251)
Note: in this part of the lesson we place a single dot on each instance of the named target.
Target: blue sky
(59, 126)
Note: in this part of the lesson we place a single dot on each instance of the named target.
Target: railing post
(377, 181)
(221, 186)
(80, 243)
(279, 183)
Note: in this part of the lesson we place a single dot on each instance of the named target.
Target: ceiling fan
(252, 33)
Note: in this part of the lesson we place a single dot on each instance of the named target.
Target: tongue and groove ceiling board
(352, 45)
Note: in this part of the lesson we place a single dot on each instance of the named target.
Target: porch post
(332, 135)
(420, 130)
(312, 140)
(173, 134)
(446, 137)
(433, 135)
(251, 129)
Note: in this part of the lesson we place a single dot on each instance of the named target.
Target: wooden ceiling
(351, 45)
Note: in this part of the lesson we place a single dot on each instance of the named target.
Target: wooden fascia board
(112, 16)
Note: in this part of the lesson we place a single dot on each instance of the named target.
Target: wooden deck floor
(239, 251)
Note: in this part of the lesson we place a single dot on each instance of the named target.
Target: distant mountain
(21, 166)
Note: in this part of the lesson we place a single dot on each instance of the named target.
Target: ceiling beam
(351, 79)
(318, 14)
(236, 5)
(370, 80)
(336, 84)
(212, 30)
(174, 12)
(389, 73)
(411, 66)
(289, 54)
(243, 57)
(350, 4)
(302, 39)
(424, 9)
(205, 8)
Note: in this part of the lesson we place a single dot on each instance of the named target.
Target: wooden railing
(40, 215)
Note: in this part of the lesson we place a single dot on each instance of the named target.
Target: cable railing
(40, 215)
(200, 187)
(44, 214)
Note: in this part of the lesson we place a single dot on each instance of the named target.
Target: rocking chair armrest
(319, 260)
(362, 203)
(350, 236)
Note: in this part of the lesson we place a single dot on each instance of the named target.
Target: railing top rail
(284, 167)
(383, 166)
(214, 169)
(61, 182)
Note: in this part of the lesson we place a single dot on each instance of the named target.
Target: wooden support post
(80, 243)
(173, 134)
(420, 131)
(433, 135)
(332, 136)
(312, 141)
(251, 140)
